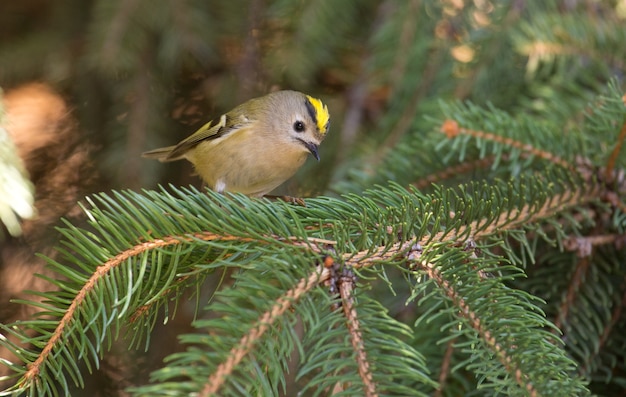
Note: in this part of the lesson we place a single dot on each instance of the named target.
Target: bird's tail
(161, 154)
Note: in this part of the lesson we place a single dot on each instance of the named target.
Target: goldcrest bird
(256, 146)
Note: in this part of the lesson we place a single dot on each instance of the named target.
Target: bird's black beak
(313, 148)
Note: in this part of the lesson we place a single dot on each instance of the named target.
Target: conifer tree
(464, 234)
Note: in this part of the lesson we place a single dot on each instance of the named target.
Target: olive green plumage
(256, 146)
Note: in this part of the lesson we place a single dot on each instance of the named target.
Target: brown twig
(475, 322)
(615, 318)
(346, 286)
(248, 66)
(104, 270)
(479, 229)
(138, 121)
(445, 368)
(452, 129)
(116, 30)
(451, 172)
(237, 353)
(583, 245)
(574, 285)
(610, 165)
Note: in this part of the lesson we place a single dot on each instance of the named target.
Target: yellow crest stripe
(322, 117)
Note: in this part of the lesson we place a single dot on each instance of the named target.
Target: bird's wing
(226, 125)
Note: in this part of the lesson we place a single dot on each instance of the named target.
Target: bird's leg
(292, 200)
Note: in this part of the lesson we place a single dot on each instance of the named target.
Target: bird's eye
(298, 126)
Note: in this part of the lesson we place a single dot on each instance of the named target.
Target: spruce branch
(33, 373)
(459, 217)
(346, 287)
(452, 129)
(486, 335)
(445, 367)
(584, 245)
(264, 322)
(173, 226)
(476, 300)
(452, 171)
(616, 317)
(577, 38)
(569, 299)
(609, 172)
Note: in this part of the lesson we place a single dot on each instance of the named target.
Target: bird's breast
(246, 162)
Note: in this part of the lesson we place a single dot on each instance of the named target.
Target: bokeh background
(134, 74)
(88, 85)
